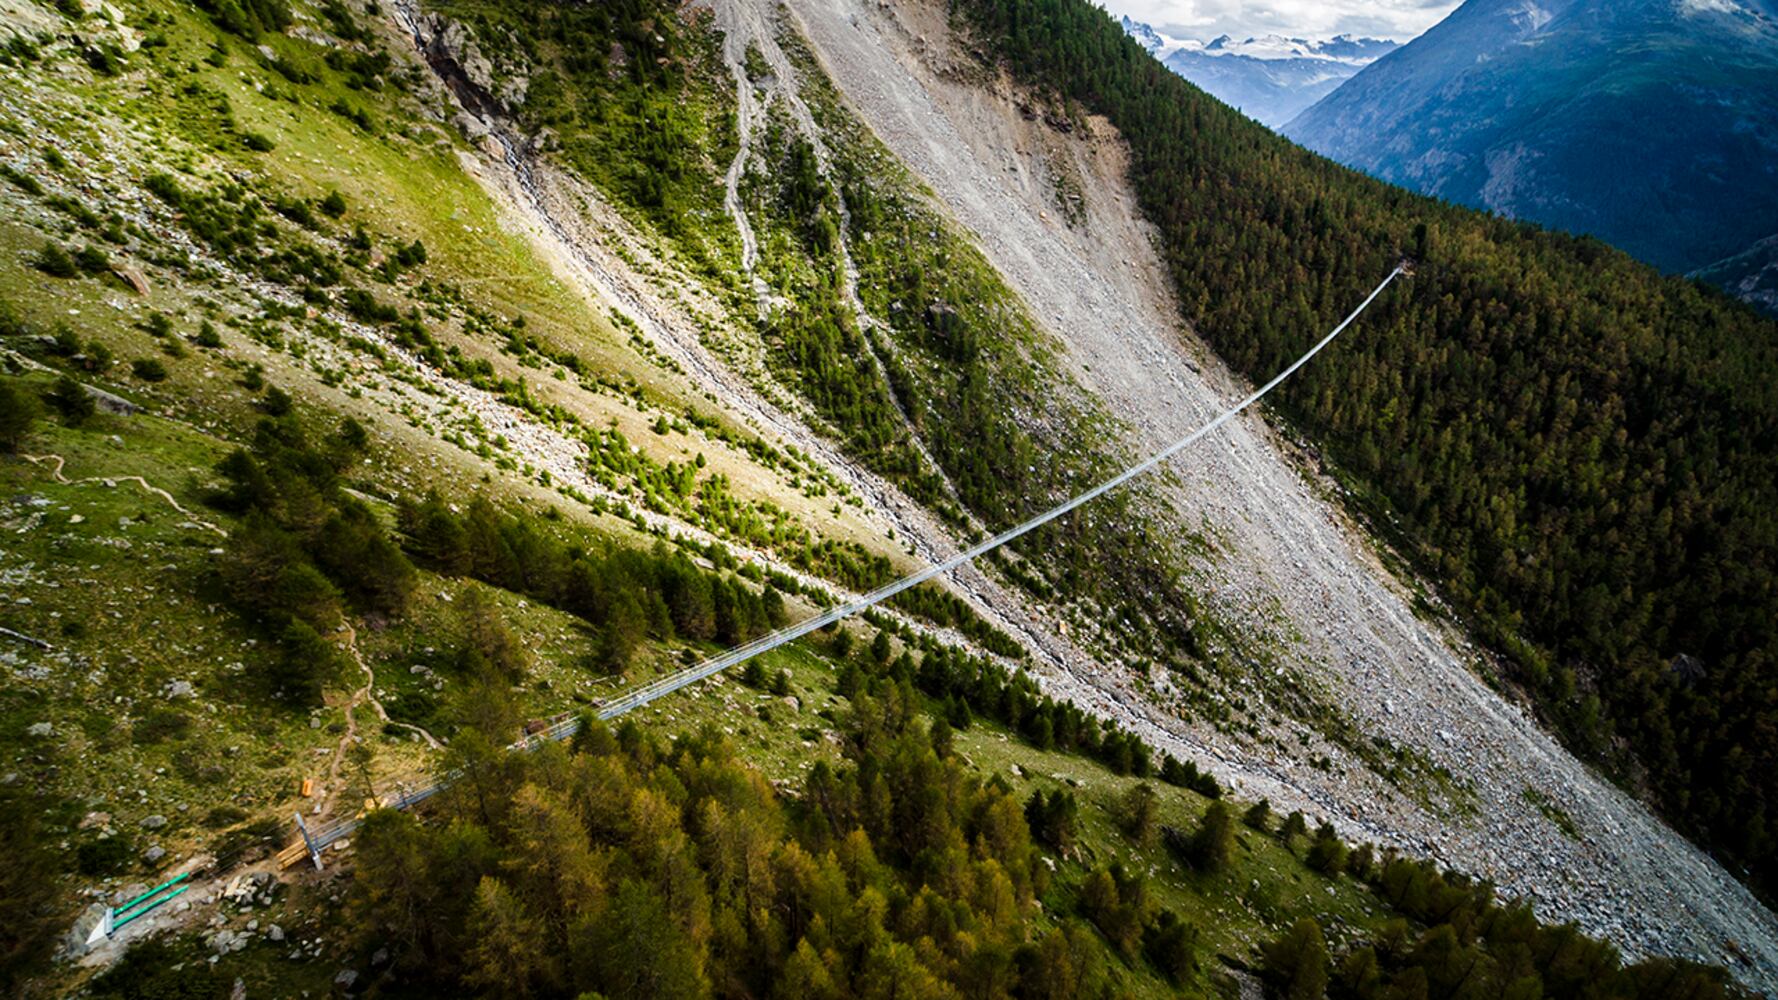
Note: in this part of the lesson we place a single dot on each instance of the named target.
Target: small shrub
(97, 357)
(103, 59)
(74, 209)
(19, 48)
(1259, 816)
(106, 856)
(357, 116)
(266, 833)
(149, 370)
(224, 815)
(11, 323)
(71, 400)
(257, 142)
(296, 210)
(248, 18)
(334, 205)
(92, 260)
(18, 414)
(1294, 827)
(23, 181)
(1214, 842)
(55, 261)
(1327, 854)
(293, 71)
(753, 675)
(207, 336)
(159, 725)
(275, 403)
(1140, 813)
(365, 308)
(67, 342)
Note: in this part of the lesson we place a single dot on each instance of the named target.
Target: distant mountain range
(1652, 124)
(1270, 78)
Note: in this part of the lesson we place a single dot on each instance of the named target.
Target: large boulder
(86, 932)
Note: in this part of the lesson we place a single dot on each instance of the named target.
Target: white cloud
(1206, 19)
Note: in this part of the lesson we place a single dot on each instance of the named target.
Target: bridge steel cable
(660, 688)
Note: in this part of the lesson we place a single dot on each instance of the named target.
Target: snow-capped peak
(1340, 49)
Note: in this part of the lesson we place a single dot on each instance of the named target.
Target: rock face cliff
(1651, 124)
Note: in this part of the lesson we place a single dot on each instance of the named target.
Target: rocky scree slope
(1282, 546)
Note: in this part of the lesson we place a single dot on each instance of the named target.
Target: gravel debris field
(1101, 290)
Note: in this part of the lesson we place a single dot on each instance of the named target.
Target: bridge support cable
(317, 840)
(746, 651)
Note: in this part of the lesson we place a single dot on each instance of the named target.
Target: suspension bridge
(314, 841)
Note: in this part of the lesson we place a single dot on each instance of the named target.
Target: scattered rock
(77, 940)
(154, 822)
(224, 941)
(113, 404)
(40, 729)
(131, 276)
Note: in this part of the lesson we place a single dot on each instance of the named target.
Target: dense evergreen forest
(1583, 453)
(627, 867)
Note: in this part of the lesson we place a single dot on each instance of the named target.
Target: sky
(1206, 19)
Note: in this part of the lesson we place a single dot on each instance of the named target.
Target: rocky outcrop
(482, 82)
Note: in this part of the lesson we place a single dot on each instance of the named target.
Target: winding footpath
(56, 463)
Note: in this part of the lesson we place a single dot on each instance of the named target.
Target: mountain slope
(1279, 545)
(1270, 79)
(1651, 124)
(1524, 400)
(658, 325)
